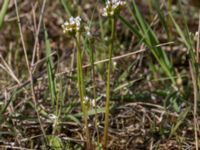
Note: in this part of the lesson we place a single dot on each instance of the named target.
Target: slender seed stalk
(95, 107)
(108, 85)
(81, 90)
(94, 87)
(94, 94)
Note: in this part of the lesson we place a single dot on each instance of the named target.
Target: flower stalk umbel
(113, 7)
(111, 10)
(74, 28)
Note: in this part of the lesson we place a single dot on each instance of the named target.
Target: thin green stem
(94, 93)
(81, 91)
(108, 85)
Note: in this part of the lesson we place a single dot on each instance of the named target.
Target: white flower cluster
(113, 7)
(87, 29)
(89, 102)
(73, 25)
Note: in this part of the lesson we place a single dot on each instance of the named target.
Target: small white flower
(115, 63)
(87, 29)
(87, 98)
(72, 26)
(88, 33)
(113, 7)
(52, 117)
(93, 103)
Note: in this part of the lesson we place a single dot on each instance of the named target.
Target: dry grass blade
(28, 67)
(9, 70)
(39, 77)
(37, 33)
(196, 95)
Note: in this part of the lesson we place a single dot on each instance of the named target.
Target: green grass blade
(50, 70)
(180, 120)
(148, 36)
(186, 39)
(3, 11)
(66, 7)
(130, 26)
(55, 142)
(90, 112)
(181, 33)
(161, 16)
